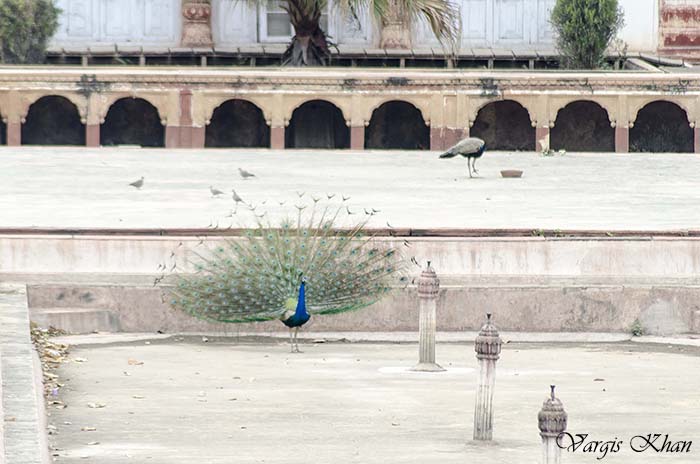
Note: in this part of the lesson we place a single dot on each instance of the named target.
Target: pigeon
(215, 192)
(237, 198)
(470, 148)
(138, 184)
(245, 174)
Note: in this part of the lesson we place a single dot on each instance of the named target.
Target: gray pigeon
(138, 184)
(215, 192)
(237, 198)
(245, 174)
(470, 148)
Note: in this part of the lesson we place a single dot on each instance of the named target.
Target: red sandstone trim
(380, 232)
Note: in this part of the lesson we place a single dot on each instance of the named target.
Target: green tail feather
(253, 278)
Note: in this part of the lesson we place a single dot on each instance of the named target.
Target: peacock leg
(291, 339)
(296, 339)
(469, 167)
(474, 166)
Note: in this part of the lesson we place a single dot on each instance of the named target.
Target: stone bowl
(512, 173)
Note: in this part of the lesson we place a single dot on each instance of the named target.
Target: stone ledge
(565, 307)
(24, 431)
(363, 337)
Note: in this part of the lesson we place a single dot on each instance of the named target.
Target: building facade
(670, 26)
(371, 109)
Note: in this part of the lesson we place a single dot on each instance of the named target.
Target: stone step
(77, 320)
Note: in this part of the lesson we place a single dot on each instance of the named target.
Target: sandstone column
(552, 422)
(196, 23)
(14, 132)
(13, 118)
(277, 137)
(488, 348)
(428, 289)
(396, 31)
(92, 135)
(186, 129)
(622, 138)
(357, 137)
(542, 138)
(437, 138)
(696, 131)
(92, 120)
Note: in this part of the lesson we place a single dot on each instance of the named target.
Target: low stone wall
(597, 257)
(24, 415)
(559, 306)
(531, 283)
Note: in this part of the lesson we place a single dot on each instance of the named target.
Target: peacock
(300, 267)
(471, 148)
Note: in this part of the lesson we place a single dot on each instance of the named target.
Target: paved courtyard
(78, 187)
(184, 401)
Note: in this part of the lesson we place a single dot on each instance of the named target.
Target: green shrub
(26, 26)
(637, 328)
(585, 29)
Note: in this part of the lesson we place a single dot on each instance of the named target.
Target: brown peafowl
(471, 148)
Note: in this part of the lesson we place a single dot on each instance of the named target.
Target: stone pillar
(541, 134)
(451, 137)
(92, 135)
(622, 139)
(357, 137)
(196, 23)
(277, 138)
(172, 136)
(199, 135)
(14, 133)
(428, 289)
(437, 139)
(396, 31)
(488, 349)
(552, 423)
(185, 136)
(696, 129)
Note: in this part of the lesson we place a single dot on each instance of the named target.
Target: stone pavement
(24, 422)
(78, 187)
(184, 401)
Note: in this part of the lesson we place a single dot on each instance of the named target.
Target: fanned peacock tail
(256, 277)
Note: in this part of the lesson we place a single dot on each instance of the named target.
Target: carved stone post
(552, 422)
(196, 23)
(428, 288)
(488, 348)
(396, 31)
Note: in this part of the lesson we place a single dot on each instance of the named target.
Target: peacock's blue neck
(301, 302)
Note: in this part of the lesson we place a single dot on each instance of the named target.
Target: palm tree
(310, 45)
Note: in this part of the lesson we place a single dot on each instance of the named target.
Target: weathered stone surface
(22, 396)
(230, 392)
(559, 305)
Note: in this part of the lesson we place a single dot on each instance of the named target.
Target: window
(275, 25)
(277, 20)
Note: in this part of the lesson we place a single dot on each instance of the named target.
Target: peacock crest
(256, 277)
